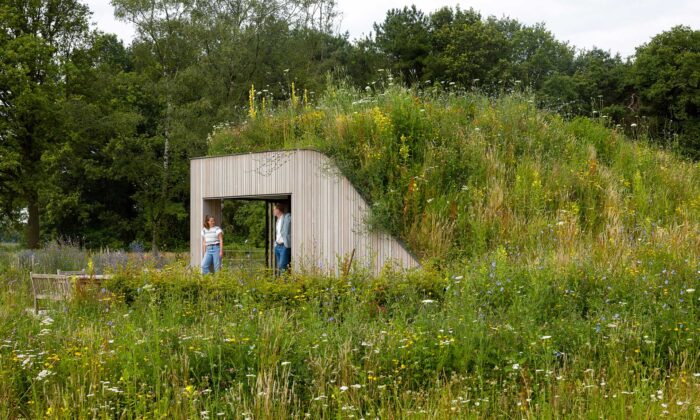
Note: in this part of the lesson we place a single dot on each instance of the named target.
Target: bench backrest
(51, 286)
(70, 273)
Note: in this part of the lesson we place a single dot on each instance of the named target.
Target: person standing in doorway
(212, 245)
(283, 237)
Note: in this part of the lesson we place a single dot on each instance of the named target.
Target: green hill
(458, 175)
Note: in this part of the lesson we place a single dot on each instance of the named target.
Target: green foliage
(536, 55)
(404, 38)
(598, 81)
(655, 90)
(87, 198)
(109, 133)
(474, 52)
(560, 257)
(244, 223)
(36, 41)
(454, 45)
(666, 74)
(98, 135)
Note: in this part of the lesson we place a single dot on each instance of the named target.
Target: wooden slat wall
(195, 211)
(327, 212)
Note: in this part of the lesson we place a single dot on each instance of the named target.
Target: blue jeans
(283, 256)
(211, 256)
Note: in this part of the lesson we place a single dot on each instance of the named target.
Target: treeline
(657, 91)
(97, 135)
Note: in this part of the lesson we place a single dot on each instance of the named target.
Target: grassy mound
(460, 175)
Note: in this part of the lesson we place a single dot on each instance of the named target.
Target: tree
(596, 82)
(361, 60)
(164, 29)
(666, 76)
(86, 197)
(404, 37)
(536, 55)
(473, 51)
(199, 58)
(36, 39)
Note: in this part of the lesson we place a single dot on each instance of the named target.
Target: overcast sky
(615, 25)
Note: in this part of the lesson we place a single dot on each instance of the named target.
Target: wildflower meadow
(560, 279)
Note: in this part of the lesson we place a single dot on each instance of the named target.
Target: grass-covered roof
(462, 174)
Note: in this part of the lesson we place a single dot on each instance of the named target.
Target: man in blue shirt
(283, 237)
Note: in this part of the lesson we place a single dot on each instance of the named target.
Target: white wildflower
(43, 375)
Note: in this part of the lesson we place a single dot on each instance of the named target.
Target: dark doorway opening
(249, 230)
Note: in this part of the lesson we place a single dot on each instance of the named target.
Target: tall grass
(68, 256)
(495, 338)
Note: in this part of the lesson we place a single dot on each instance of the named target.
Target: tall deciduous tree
(165, 31)
(536, 55)
(200, 58)
(36, 37)
(87, 198)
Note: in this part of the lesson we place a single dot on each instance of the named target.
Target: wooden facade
(327, 211)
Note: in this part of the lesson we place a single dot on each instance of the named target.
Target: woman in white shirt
(212, 245)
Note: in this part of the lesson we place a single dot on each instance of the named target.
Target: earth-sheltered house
(328, 214)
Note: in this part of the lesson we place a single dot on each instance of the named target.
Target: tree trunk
(30, 176)
(154, 237)
(33, 221)
(160, 211)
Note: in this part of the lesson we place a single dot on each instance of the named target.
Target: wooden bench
(54, 287)
(64, 285)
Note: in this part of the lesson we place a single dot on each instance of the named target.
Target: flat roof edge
(258, 152)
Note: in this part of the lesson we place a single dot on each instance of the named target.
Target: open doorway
(244, 225)
(249, 230)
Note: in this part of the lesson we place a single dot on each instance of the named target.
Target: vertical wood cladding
(327, 211)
